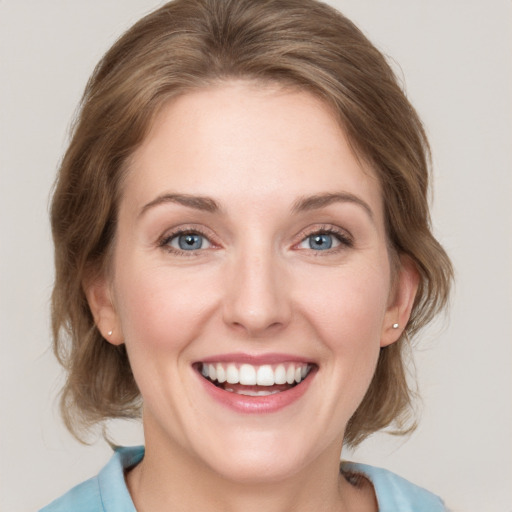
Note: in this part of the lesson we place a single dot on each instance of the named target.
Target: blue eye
(188, 242)
(320, 241)
(325, 240)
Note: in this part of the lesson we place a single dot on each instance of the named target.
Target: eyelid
(174, 241)
(344, 237)
(163, 240)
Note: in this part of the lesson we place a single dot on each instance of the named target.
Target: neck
(172, 480)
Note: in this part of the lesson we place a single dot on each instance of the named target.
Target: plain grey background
(454, 57)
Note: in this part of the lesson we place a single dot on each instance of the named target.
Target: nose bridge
(255, 294)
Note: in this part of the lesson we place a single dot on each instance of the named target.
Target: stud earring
(395, 326)
(110, 333)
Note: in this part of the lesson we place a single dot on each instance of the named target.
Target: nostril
(257, 330)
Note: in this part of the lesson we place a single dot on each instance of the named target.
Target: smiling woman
(242, 247)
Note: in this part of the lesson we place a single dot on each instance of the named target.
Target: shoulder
(394, 493)
(106, 492)
(82, 498)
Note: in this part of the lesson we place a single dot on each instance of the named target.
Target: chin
(252, 457)
(256, 468)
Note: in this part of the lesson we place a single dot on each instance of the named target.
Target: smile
(256, 383)
(252, 375)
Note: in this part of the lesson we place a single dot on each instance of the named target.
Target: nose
(256, 299)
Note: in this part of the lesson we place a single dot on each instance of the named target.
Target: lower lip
(257, 404)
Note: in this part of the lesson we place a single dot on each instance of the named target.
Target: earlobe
(400, 307)
(99, 297)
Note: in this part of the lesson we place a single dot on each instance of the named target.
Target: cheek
(161, 312)
(159, 309)
(348, 308)
(346, 311)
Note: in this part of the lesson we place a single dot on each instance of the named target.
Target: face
(251, 281)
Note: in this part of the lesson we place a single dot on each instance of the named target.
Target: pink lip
(257, 404)
(255, 359)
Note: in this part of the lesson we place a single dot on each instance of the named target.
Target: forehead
(248, 138)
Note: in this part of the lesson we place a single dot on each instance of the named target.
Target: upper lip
(255, 359)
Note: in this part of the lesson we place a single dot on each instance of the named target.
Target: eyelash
(165, 241)
(345, 240)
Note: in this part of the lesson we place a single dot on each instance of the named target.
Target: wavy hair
(188, 44)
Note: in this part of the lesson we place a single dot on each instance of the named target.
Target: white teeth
(232, 376)
(265, 376)
(280, 374)
(221, 373)
(250, 375)
(250, 392)
(247, 375)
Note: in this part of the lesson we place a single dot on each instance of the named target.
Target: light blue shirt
(107, 492)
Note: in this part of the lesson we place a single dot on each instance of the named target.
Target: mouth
(255, 380)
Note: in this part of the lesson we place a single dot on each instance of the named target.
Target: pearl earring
(395, 326)
(110, 333)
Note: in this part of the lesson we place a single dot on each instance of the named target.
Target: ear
(401, 301)
(99, 297)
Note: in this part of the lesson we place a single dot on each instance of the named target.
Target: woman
(243, 246)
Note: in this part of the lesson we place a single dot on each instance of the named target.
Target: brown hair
(188, 44)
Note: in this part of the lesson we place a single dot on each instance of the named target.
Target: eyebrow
(322, 200)
(303, 204)
(206, 204)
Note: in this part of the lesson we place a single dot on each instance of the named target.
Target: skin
(256, 287)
